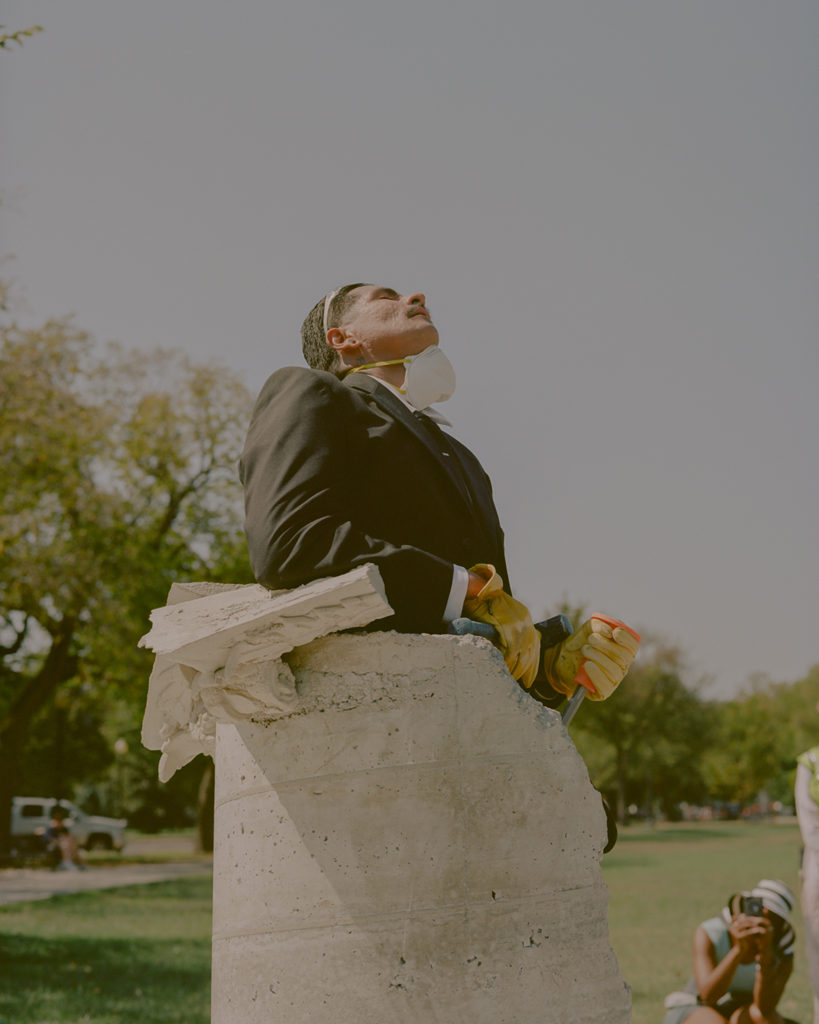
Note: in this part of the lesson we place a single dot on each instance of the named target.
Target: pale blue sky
(611, 205)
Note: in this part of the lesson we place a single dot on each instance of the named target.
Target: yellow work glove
(518, 640)
(597, 656)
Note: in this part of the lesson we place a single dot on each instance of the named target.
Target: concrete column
(415, 840)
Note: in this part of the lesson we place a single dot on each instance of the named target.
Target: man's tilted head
(364, 324)
(317, 353)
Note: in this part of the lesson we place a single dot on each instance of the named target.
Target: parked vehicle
(30, 817)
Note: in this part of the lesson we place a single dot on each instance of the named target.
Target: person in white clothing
(807, 809)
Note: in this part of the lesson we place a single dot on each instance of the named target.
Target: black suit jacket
(339, 473)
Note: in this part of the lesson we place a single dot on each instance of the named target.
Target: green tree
(124, 480)
(644, 744)
(758, 736)
(747, 748)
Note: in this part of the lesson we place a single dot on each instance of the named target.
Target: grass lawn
(142, 954)
(664, 880)
(136, 954)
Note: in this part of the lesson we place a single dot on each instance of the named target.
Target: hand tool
(552, 632)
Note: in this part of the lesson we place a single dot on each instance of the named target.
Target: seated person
(51, 834)
(742, 961)
(70, 856)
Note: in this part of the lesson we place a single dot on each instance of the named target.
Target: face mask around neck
(429, 376)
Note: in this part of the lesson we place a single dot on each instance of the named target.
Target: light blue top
(716, 929)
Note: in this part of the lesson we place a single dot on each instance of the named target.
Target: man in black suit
(346, 463)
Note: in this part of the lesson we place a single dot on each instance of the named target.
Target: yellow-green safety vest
(810, 759)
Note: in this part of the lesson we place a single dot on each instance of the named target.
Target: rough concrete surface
(418, 841)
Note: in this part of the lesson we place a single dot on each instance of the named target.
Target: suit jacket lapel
(395, 408)
(387, 401)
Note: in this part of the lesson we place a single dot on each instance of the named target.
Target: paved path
(18, 885)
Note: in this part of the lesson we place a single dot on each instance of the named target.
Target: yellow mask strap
(384, 362)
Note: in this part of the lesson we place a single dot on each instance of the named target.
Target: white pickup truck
(30, 816)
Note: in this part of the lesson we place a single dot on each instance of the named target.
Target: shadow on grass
(128, 980)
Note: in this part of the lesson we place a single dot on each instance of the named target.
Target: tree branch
(17, 37)
(59, 666)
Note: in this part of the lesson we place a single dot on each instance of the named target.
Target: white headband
(775, 896)
(327, 302)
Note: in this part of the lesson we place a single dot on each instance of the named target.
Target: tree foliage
(758, 737)
(749, 743)
(124, 479)
(644, 744)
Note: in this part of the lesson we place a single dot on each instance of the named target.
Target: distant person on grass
(742, 961)
(61, 846)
